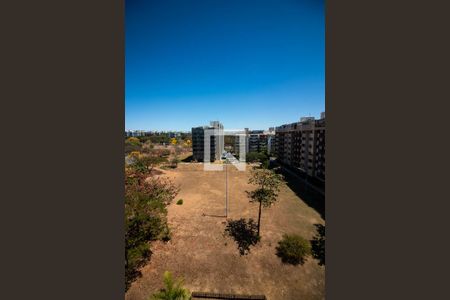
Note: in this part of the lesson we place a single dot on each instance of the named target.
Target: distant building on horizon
(306, 119)
(216, 142)
(134, 133)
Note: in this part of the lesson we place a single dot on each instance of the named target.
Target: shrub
(135, 154)
(143, 139)
(174, 162)
(165, 152)
(147, 147)
(133, 141)
(180, 202)
(173, 289)
(293, 249)
(132, 144)
(130, 148)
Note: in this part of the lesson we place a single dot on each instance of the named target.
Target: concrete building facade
(301, 145)
(211, 136)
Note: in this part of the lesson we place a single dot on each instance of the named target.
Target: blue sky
(246, 63)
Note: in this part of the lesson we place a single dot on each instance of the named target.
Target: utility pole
(226, 188)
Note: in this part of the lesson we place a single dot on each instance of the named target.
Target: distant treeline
(161, 138)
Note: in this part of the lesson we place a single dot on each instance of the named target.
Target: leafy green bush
(293, 249)
(180, 202)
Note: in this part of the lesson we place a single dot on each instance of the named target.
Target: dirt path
(210, 261)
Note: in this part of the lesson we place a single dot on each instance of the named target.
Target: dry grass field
(209, 261)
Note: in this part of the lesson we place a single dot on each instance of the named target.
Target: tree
(132, 144)
(143, 164)
(145, 217)
(173, 290)
(266, 194)
(252, 157)
(261, 157)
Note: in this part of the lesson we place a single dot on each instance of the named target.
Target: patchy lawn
(210, 261)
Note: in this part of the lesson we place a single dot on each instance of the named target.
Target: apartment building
(301, 145)
(270, 140)
(216, 141)
(257, 140)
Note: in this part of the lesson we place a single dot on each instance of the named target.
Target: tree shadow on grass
(214, 216)
(137, 261)
(318, 244)
(244, 232)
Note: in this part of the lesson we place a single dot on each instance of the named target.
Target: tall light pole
(226, 188)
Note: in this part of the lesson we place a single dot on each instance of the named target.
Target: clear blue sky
(246, 63)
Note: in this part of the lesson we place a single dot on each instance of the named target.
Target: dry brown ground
(210, 261)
